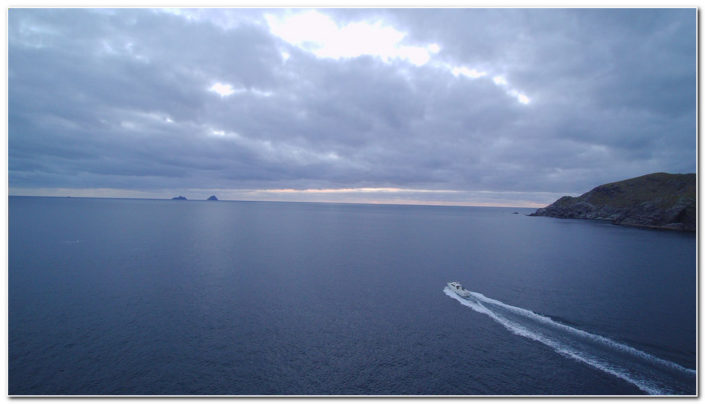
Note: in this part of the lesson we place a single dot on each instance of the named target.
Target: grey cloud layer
(119, 99)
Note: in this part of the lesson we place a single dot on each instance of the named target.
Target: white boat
(458, 289)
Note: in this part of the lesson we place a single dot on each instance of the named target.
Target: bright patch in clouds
(319, 34)
(225, 90)
(464, 71)
(522, 98)
(222, 90)
(502, 82)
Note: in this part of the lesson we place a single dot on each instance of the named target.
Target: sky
(455, 106)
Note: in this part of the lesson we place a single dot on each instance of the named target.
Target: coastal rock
(179, 198)
(659, 200)
(212, 198)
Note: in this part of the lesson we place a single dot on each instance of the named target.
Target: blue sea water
(142, 297)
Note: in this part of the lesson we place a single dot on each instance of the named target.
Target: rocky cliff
(660, 200)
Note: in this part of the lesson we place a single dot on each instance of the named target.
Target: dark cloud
(119, 99)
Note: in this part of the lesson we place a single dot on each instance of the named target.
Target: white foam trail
(597, 338)
(648, 386)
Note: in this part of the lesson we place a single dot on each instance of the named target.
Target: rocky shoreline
(656, 201)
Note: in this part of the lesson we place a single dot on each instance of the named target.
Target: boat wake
(650, 374)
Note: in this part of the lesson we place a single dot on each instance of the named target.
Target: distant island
(179, 198)
(659, 200)
(212, 198)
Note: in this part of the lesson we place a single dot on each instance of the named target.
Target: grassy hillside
(662, 188)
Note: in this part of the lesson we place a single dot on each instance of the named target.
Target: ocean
(162, 297)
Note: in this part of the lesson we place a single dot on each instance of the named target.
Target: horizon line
(398, 203)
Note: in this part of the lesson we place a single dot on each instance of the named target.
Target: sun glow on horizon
(376, 196)
(354, 190)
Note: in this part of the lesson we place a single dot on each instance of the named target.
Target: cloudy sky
(504, 107)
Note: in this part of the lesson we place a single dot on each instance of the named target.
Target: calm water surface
(110, 296)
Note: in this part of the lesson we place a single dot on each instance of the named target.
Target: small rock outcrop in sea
(179, 198)
(212, 198)
(659, 200)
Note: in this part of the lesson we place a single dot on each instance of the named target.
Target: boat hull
(458, 289)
